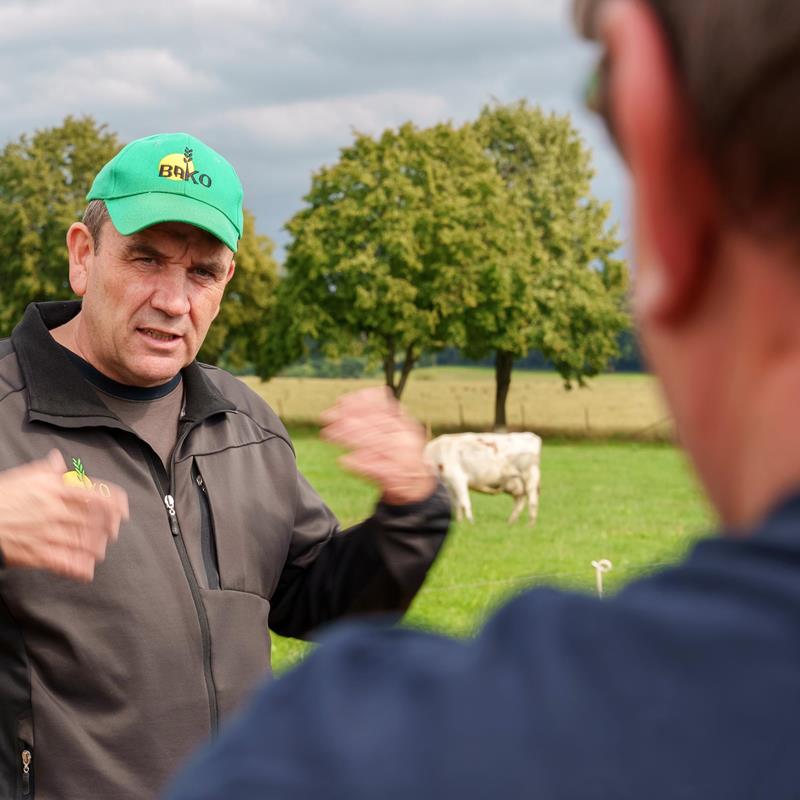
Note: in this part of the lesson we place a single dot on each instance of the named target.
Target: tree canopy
(383, 258)
(44, 179)
(238, 334)
(567, 299)
(486, 237)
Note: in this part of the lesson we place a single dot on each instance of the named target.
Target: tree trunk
(388, 366)
(408, 365)
(503, 364)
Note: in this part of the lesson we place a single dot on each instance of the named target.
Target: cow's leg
(533, 494)
(461, 488)
(519, 504)
(467, 504)
(454, 500)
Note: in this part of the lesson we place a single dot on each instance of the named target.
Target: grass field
(462, 398)
(633, 503)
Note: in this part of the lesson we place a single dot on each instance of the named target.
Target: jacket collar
(58, 392)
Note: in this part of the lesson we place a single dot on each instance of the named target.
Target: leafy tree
(44, 179)
(384, 257)
(238, 335)
(566, 297)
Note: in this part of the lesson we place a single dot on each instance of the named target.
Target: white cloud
(279, 85)
(36, 19)
(131, 79)
(303, 124)
(458, 11)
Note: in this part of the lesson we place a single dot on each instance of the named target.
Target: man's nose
(172, 293)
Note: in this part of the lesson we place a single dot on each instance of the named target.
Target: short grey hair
(94, 217)
(739, 64)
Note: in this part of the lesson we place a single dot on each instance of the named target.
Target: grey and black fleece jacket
(106, 687)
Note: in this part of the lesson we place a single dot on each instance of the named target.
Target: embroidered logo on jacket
(78, 477)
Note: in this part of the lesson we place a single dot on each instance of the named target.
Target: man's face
(149, 299)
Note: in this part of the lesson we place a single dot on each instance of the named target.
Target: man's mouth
(160, 336)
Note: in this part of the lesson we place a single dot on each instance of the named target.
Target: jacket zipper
(205, 631)
(157, 469)
(27, 758)
(207, 539)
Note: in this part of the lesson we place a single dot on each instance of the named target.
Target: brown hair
(94, 217)
(739, 64)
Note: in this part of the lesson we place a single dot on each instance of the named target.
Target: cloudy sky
(277, 86)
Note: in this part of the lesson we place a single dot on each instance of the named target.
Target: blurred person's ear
(675, 204)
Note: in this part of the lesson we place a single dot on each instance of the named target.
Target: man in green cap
(115, 663)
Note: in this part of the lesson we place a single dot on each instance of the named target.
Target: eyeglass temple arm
(584, 17)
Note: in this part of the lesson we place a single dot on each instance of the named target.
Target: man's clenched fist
(46, 523)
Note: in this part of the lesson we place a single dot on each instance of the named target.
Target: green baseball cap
(171, 177)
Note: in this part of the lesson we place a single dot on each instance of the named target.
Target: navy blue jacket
(684, 685)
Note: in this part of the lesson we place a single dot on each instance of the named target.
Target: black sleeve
(375, 567)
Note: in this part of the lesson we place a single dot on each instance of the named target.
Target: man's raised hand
(386, 444)
(47, 524)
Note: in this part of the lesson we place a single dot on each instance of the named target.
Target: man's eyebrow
(215, 266)
(138, 249)
(135, 248)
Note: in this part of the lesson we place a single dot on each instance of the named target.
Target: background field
(634, 503)
(462, 398)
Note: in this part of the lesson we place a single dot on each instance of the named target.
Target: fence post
(601, 567)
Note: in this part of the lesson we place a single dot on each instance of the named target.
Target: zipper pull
(26, 772)
(200, 482)
(169, 502)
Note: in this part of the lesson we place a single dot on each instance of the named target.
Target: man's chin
(150, 371)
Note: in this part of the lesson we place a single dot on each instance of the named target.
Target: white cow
(490, 463)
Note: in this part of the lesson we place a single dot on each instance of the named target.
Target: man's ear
(676, 203)
(80, 246)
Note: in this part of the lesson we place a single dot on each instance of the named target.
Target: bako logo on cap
(180, 167)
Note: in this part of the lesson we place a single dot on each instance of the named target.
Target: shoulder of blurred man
(646, 694)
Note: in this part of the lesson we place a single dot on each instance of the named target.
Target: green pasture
(633, 503)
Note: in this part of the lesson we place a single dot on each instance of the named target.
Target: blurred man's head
(698, 95)
(737, 66)
(152, 257)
